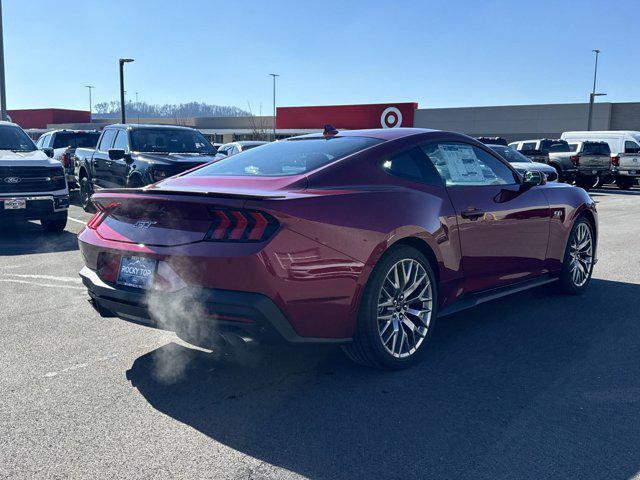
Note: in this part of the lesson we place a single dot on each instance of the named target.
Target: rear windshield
(509, 154)
(554, 146)
(76, 139)
(596, 148)
(168, 140)
(13, 138)
(287, 157)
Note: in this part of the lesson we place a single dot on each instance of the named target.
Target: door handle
(471, 213)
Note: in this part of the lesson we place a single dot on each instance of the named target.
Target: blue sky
(439, 54)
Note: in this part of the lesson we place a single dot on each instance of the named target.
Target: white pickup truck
(32, 185)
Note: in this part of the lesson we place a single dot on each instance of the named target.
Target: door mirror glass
(48, 151)
(116, 154)
(533, 178)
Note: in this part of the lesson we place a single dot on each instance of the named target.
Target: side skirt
(473, 299)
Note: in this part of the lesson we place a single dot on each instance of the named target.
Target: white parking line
(76, 220)
(37, 284)
(45, 277)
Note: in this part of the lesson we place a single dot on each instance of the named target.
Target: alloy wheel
(404, 308)
(581, 254)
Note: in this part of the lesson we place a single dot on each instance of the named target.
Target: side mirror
(532, 178)
(222, 152)
(48, 151)
(116, 154)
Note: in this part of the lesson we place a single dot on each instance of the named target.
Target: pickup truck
(132, 156)
(64, 144)
(587, 165)
(32, 185)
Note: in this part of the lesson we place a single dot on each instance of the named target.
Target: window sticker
(462, 163)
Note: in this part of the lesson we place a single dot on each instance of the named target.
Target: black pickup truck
(132, 156)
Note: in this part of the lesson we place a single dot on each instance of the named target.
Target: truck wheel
(625, 183)
(585, 182)
(55, 224)
(86, 190)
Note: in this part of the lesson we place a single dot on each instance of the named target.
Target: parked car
(492, 140)
(625, 152)
(586, 168)
(361, 238)
(232, 148)
(132, 156)
(32, 185)
(64, 144)
(523, 164)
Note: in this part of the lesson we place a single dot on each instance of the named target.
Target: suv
(232, 148)
(32, 185)
(64, 144)
(132, 156)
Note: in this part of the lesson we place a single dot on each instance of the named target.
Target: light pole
(593, 94)
(121, 62)
(3, 94)
(274, 75)
(90, 87)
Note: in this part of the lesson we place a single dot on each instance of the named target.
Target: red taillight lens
(241, 226)
(575, 159)
(103, 212)
(65, 159)
(615, 160)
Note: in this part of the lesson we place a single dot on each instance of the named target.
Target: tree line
(143, 109)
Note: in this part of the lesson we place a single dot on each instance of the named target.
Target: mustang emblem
(12, 180)
(144, 223)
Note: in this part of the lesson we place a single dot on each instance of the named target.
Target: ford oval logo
(12, 180)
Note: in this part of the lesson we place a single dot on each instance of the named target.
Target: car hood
(533, 166)
(172, 158)
(37, 158)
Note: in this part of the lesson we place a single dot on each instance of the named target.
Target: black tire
(86, 190)
(367, 347)
(585, 183)
(559, 173)
(55, 224)
(568, 284)
(625, 183)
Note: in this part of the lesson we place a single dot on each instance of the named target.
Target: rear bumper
(628, 173)
(202, 312)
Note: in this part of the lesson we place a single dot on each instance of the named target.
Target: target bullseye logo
(391, 118)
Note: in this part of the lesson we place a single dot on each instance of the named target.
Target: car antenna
(329, 131)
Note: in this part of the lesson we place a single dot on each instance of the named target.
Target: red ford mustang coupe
(361, 238)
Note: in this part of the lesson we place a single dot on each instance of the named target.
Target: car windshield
(76, 139)
(170, 140)
(13, 138)
(509, 154)
(287, 157)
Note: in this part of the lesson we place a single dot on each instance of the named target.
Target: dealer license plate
(15, 204)
(136, 272)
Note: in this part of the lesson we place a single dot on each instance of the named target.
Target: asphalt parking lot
(533, 386)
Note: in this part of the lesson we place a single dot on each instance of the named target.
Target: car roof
(149, 125)
(250, 142)
(379, 133)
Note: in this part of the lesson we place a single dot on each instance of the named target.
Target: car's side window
(121, 142)
(461, 164)
(573, 147)
(412, 164)
(106, 140)
(528, 146)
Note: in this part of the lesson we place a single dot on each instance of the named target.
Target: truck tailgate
(594, 162)
(630, 162)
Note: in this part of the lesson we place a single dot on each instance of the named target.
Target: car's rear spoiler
(247, 195)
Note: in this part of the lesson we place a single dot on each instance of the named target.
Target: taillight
(575, 159)
(65, 159)
(615, 160)
(103, 212)
(241, 226)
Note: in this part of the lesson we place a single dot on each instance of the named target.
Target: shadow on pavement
(617, 191)
(29, 237)
(534, 386)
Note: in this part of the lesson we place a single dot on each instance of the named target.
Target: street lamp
(593, 93)
(3, 95)
(274, 75)
(122, 61)
(90, 87)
